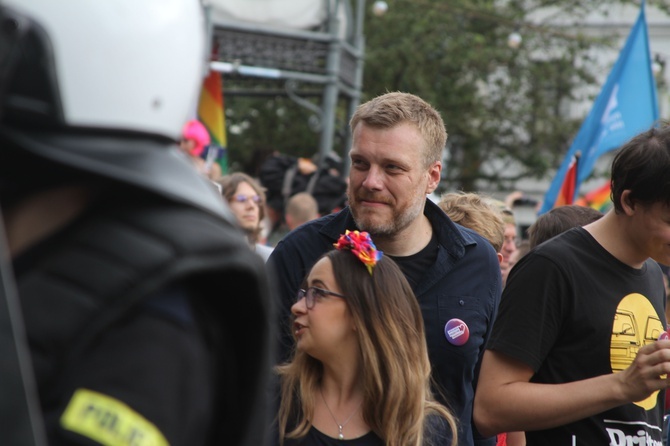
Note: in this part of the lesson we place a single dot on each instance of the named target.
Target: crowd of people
(155, 299)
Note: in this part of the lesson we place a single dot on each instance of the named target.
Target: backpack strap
(287, 185)
(312, 182)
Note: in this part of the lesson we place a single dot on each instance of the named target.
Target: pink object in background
(194, 130)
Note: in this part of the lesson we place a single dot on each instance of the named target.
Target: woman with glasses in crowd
(246, 198)
(360, 373)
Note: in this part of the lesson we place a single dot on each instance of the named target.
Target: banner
(211, 114)
(598, 198)
(626, 106)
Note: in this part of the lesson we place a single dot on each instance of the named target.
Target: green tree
(498, 102)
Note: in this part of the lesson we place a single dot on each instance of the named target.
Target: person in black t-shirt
(578, 353)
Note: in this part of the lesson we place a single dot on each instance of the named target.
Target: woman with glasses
(246, 199)
(360, 373)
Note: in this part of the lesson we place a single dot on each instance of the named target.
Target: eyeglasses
(241, 198)
(312, 293)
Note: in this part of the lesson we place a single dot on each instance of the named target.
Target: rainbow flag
(210, 113)
(598, 198)
(567, 193)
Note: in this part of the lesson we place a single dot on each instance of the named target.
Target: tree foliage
(498, 103)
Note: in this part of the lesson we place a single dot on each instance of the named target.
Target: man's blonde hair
(391, 109)
(472, 211)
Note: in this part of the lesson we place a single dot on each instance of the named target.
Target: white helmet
(124, 64)
(105, 87)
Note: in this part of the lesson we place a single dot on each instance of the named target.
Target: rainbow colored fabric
(211, 114)
(361, 246)
(598, 198)
(567, 191)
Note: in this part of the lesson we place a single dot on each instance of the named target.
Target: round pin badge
(664, 336)
(457, 332)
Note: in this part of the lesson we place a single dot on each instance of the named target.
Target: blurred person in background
(471, 211)
(509, 236)
(246, 199)
(195, 140)
(558, 220)
(301, 208)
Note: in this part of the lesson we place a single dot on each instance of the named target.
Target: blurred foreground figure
(133, 282)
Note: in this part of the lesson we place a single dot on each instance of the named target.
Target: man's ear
(500, 257)
(434, 176)
(627, 203)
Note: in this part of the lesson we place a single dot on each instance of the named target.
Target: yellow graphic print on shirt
(636, 324)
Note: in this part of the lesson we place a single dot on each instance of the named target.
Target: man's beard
(398, 222)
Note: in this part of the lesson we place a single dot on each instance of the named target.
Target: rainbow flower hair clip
(361, 246)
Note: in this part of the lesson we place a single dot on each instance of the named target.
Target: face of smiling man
(388, 180)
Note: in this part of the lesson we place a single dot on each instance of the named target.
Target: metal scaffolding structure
(328, 59)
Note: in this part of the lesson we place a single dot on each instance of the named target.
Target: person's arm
(516, 438)
(506, 400)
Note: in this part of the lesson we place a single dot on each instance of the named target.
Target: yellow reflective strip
(109, 421)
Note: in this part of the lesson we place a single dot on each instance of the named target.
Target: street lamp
(379, 8)
(514, 40)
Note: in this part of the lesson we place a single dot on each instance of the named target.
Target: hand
(512, 197)
(647, 373)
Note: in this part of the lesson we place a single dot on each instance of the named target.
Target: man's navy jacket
(464, 283)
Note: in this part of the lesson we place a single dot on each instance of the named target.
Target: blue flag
(626, 106)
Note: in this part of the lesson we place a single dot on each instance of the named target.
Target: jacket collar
(450, 236)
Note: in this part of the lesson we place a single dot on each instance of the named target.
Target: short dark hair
(559, 220)
(642, 166)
